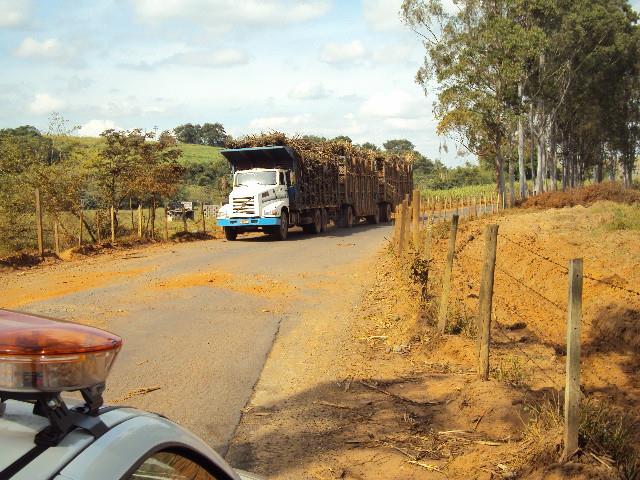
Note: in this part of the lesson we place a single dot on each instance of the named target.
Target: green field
(190, 153)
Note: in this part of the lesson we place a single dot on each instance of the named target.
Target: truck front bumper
(248, 222)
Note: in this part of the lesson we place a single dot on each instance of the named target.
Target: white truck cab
(259, 199)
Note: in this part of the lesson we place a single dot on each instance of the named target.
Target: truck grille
(244, 205)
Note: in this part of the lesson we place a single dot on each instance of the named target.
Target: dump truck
(277, 187)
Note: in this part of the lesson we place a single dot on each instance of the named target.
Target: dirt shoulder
(392, 400)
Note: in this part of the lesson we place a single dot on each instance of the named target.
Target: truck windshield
(260, 178)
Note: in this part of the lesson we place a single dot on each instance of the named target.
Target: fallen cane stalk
(431, 468)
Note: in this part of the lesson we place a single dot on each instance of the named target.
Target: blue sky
(326, 67)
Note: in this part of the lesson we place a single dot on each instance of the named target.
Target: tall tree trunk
(612, 169)
(153, 217)
(540, 175)
(512, 193)
(521, 168)
(534, 177)
(500, 166)
(553, 159)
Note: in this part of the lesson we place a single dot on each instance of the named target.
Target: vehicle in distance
(276, 187)
(50, 437)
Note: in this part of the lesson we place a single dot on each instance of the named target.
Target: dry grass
(511, 371)
(605, 430)
(612, 191)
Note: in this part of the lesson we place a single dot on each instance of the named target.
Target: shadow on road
(348, 425)
(297, 234)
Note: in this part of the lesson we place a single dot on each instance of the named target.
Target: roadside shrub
(625, 217)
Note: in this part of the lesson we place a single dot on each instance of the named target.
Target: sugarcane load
(281, 182)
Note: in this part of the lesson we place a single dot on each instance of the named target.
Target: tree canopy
(566, 69)
(212, 134)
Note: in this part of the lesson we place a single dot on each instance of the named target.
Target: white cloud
(394, 104)
(397, 53)
(415, 124)
(49, 48)
(382, 15)
(284, 122)
(232, 12)
(309, 91)
(337, 53)
(44, 103)
(14, 13)
(228, 57)
(93, 128)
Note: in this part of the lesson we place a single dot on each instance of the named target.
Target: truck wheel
(283, 228)
(373, 219)
(230, 233)
(324, 220)
(346, 217)
(316, 226)
(385, 212)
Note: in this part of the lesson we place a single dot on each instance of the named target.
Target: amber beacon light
(39, 354)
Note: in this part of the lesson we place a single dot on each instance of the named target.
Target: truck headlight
(271, 211)
(222, 214)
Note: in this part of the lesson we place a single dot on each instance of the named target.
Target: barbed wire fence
(436, 212)
(55, 231)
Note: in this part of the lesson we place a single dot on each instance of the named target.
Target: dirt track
(199, 320)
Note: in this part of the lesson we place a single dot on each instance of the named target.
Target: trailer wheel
(346, 217)
(373, 219)
(324, 220)
(385, 212)
(230, 233)
(283, 229)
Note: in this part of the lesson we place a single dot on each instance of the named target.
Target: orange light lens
(43, 354)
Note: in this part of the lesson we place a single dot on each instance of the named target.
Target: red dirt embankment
(407, 403)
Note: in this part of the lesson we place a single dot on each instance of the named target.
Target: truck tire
(315, 226)
(230, 233)
(346, 217)
(283, 229)
(385, 212)
(373, 219)
(324, 220)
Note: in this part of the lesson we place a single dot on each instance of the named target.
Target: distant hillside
(190, 153)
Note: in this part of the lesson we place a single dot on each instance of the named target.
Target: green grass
(461, 192)
(200, 153)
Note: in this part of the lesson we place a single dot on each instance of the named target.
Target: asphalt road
(199, 319)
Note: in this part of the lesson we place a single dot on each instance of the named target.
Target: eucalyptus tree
(475, 59)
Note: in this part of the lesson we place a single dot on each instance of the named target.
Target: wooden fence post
(485, 303)
(39, 224)
(408, 216)
(56, 237)
(416, 220)
(427, 243)
(402, 233)
(80, 216)
(98, 226)
(166, 223)
(113, 224)
(446, 279)
(572, 388)
(140, 220)
(184, 220)
(204, 222)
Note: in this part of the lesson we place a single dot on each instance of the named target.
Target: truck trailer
(276, 187)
